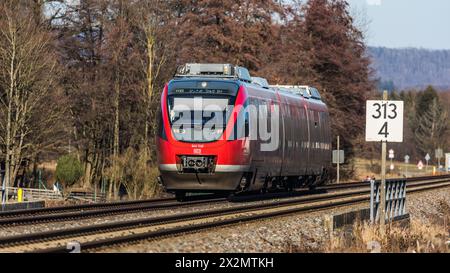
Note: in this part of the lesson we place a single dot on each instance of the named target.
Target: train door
(312, 139)
(289, 161)
(305, 138)
(298, 138)
(298, 160)
(317, 142)
(275, 158)
(258, 157)
(283, 134)
(325, 139)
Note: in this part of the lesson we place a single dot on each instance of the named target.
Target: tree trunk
(149, 74)
(116, 118)
(8, 139)
(87, 168)
(115, 182)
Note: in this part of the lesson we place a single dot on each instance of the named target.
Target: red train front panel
(187, 163)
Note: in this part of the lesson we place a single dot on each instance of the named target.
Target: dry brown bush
(418, 237)
(429, 235)
(135, 171)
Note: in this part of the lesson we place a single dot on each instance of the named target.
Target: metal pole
(372, 202)
(5, 186)
(383, 185)
(338, 159)
(390, 171)
(383, 178)
(3, 191)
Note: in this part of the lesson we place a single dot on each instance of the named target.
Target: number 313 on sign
(384, 121)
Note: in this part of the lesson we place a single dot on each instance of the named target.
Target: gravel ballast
(278, 234)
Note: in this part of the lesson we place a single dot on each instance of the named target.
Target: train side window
(308, 92)
(160, 126)
(315, 93)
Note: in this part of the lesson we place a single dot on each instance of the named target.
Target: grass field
(365, 167)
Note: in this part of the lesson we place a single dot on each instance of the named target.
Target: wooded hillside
(411, 68)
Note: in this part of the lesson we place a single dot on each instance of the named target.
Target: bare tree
(27, 76)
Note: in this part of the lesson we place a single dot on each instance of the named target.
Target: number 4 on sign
(384, 121)
(384, 130)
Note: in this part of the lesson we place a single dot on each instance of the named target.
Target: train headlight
(225, 69)
(199, 163)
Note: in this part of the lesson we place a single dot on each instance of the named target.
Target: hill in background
(411, 68)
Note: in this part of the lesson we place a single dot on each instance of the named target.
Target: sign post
(384, 123)
(439, 153)
(391, 157)
(427, 158)
(338, 158)
(406, 166)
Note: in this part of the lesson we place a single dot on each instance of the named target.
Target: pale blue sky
(405, 23)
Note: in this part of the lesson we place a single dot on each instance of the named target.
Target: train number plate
(195, 162)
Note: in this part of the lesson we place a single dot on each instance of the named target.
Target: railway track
(95, 236)
(85, 211)
(93, 212)
(90, 206)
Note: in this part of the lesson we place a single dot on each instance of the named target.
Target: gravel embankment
(304, 230)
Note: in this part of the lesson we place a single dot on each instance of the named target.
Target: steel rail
(197, 227)
(138, 206)
(360, 195)
(64, 216)
(107, 205)
(33, 211)
(89, 206)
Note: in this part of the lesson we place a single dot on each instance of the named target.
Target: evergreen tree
(341, 65)
(430, 122)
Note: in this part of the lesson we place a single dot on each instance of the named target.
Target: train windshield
(198, 117)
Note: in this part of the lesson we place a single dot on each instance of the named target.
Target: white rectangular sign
(384, 121)
(341, 156)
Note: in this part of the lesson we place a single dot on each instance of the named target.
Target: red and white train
(231, 159)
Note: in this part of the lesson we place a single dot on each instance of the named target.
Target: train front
(199, 149)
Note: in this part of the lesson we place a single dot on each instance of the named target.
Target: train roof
(224, 71)
(215, 71)
(301, 90)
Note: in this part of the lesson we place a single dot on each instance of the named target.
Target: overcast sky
(406, 23)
